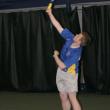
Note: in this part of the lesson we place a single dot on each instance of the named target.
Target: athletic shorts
(66, 82)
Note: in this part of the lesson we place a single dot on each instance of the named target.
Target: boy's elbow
(62, 67)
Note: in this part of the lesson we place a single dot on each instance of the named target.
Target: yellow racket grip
(49, 6)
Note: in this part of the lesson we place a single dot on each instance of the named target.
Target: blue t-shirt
(70, 56)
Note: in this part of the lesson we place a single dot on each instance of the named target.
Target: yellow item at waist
(72, 70)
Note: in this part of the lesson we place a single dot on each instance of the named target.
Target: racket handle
(50, 4)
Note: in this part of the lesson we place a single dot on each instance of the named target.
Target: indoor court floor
(49, 101)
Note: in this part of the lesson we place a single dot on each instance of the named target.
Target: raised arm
(54, 21)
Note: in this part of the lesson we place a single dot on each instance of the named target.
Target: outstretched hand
(56, 53)
(49, 11)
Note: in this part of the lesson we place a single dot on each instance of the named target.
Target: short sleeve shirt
(70, 56)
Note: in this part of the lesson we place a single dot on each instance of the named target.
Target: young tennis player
(68, 62)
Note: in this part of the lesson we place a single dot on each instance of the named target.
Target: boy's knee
(72, 95)
(64, 97)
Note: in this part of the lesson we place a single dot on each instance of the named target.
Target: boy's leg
(65, 101)
(74, 101)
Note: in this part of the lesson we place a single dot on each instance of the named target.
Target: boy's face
(77, 39)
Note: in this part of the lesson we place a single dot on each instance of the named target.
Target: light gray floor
(49, 101)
